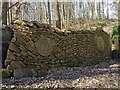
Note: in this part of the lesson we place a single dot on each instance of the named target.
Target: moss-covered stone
(5, 73)
(19, 22)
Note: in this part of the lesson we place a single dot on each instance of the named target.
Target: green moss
(115, 30)
(115, 37)
(5, 73)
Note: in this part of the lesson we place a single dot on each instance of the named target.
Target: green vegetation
(115, 31)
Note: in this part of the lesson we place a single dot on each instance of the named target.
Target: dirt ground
(103, 75)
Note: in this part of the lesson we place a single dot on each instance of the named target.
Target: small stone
(78, 80)
(20, 73)
(7, 62)
(12, 86)
(115, 66)
(13, 39)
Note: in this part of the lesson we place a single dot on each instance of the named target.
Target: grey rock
(20, 73)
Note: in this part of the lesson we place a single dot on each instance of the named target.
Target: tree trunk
(49, 12)
(103, 16)
(99, 14)
(4, 12)
(46, 12)
(64, 10)
(83, 10)
(58, 22)
(8, 17)
(93, 9)
(88, 10)
(11, 12)
(107, 11)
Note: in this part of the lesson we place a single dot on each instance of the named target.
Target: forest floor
(102, 75)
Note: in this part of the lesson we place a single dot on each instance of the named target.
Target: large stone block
(20, 73)
(44, 48)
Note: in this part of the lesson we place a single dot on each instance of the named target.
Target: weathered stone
(20, 73)
(44, 46)
(15, 65)
(13, 47)
(31, 66)
(26, 38)
(7, 62)
(10, 55)
(24, 53)
(30, 46)
(22, 47)
(19, 22)
(20, 39)
(32, 55)
(13, 39)
(42, 73)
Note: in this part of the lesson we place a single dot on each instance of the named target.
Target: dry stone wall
(44, 48)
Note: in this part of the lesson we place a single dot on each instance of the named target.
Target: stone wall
(45, 48)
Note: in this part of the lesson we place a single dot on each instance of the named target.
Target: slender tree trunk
(88, 10)
(58, 22)
(93, 9)
(107, 10)
(8, 17)
(49, 12)
(11, 12)
(40, 14)
(54, 13)
(103, 16)
(46, 12)
(4, 12)
(83, 10)
(80, 10)
(63, 10)
(67, 4)
(63, 20)
(99, 11)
